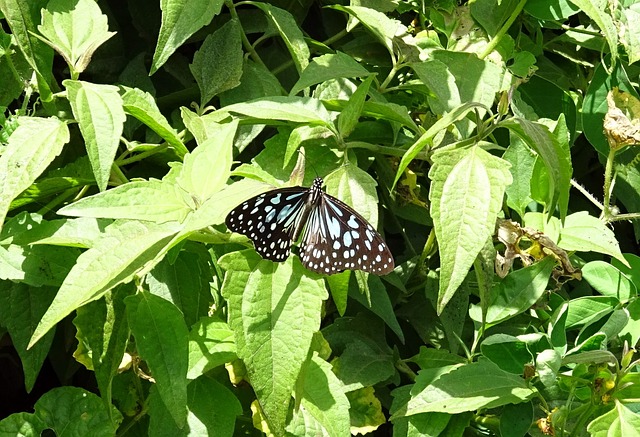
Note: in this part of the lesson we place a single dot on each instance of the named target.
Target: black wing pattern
(270, 220)
(337, 238)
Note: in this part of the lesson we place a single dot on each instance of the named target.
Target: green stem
(245, 41)
(608, 179)
(140, 156)
(503, 30)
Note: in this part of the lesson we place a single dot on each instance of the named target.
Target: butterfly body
(334, 236)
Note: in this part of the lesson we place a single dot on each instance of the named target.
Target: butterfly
(334, 236)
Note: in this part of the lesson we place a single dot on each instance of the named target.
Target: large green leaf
(180, 20)
(466, 387)
(75, 29)
(98, 110)
(217, 66)
(274, 310)
(467, 188)
(30, 150)
(123, 249)
(162, 338)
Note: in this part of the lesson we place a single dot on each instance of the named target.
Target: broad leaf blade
(98, 110)
(155, 201)
(180, 20)
(217, 66)
(274, 311)
(75, 29)
(142, 106)
(30, 150)
(162, 338)
(291, 34)
(467, 188)
(467, 388)
(115, 258)
(207, 168)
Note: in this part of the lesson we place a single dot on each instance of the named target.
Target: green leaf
(365, 411)
(207, 168)
(103, 334)
(598, 12)
(184, 281)
(274, 309)
(289, 31)
(81, 232)
(516, 419)
(548, 364)
(508, 352)
(211, 344)
(30, 150)
(631, 268)
(22, 16)
(339, 288)
(75, 29)
(585, 310)
(180, 20)
(326, 67)
(36, 265)
(630, 38)
(362, 357)
(380, 303)
(256, 82)
(631, 331)
(214, 210)
(383, 28)
(608, 280)
(123, 249)
(554, 152)
(21, 307)
(153, 200)
(142, 106)
(39, 191)
(322, 399)
(492, 16)
(217, 66)
(467, 188)
(293, 109)
(619, 422)
(585, 233)
(427, 138)
(522, 162)
(162, 339)
(516, 292)
(466, 388)
(84, 413)
(22, 424)
(213, 408)
(98, 110)
(348, 118)
(444, 94)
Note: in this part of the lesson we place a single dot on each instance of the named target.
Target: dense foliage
(493, 145)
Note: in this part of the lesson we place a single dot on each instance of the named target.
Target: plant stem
(503, 30)
(608, 179)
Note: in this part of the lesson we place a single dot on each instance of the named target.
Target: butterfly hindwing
(337, 238)
(270, 220)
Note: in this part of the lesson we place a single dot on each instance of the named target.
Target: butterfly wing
(271, 219)
(337, 238)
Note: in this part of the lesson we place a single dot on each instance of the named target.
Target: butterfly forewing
(270, 220)
(337, 238)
